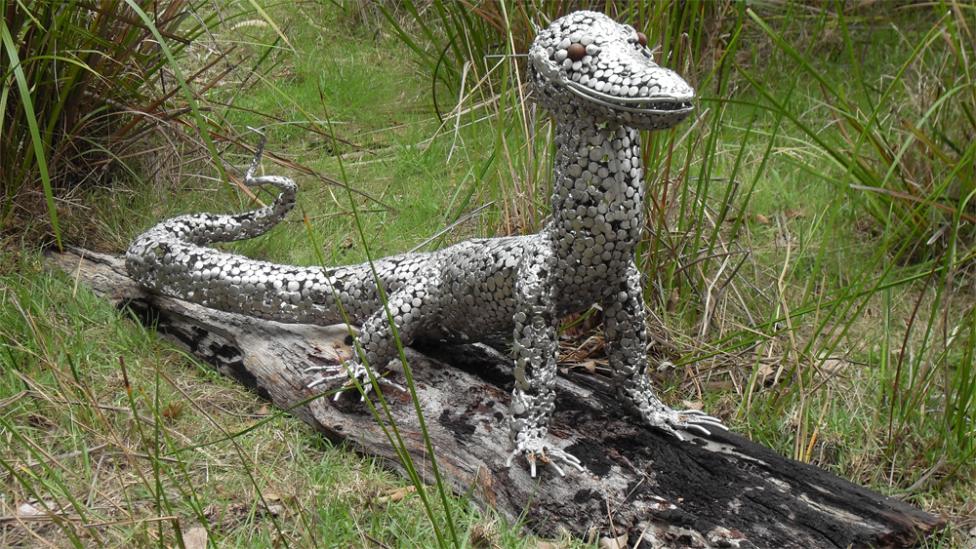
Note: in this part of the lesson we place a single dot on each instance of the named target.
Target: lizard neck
(598, 195)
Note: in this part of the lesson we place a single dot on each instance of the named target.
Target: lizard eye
(641, 39)
(576, 51)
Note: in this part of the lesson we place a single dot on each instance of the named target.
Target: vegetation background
(809, 260)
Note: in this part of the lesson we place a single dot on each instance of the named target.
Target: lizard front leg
(626, 336)
(409, 307)
(534, 347)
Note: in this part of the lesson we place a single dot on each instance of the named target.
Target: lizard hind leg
(411, 307)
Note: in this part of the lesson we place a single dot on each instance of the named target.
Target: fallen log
(723, 491)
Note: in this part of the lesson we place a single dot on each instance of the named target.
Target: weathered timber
(724, 491)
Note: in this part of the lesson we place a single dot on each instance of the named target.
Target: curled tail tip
(285, 184)
(205, 228)
(258, 152)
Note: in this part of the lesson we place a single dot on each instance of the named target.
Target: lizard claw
(536, 450)
(697, 418)
(356, 373)
(698, 428)
(696, 421)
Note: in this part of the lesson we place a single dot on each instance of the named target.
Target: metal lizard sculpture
(598, 80)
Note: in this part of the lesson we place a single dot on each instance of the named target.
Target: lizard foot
(670, 421)
(354, 372)
(536, 449)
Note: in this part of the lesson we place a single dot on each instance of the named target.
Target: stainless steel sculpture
(599, 82)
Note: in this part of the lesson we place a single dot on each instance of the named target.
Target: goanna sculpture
(598, 80)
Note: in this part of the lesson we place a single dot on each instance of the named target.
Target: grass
(921, 274)
(836, 339)
(80, 92)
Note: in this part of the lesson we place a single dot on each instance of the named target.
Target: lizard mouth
(670, 106)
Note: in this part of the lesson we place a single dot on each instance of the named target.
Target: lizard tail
(173, 258)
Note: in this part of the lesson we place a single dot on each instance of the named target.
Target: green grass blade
(27, 103)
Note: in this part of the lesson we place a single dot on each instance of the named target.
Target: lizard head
(585, 63)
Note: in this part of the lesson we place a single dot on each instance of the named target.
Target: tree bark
(720, 491)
